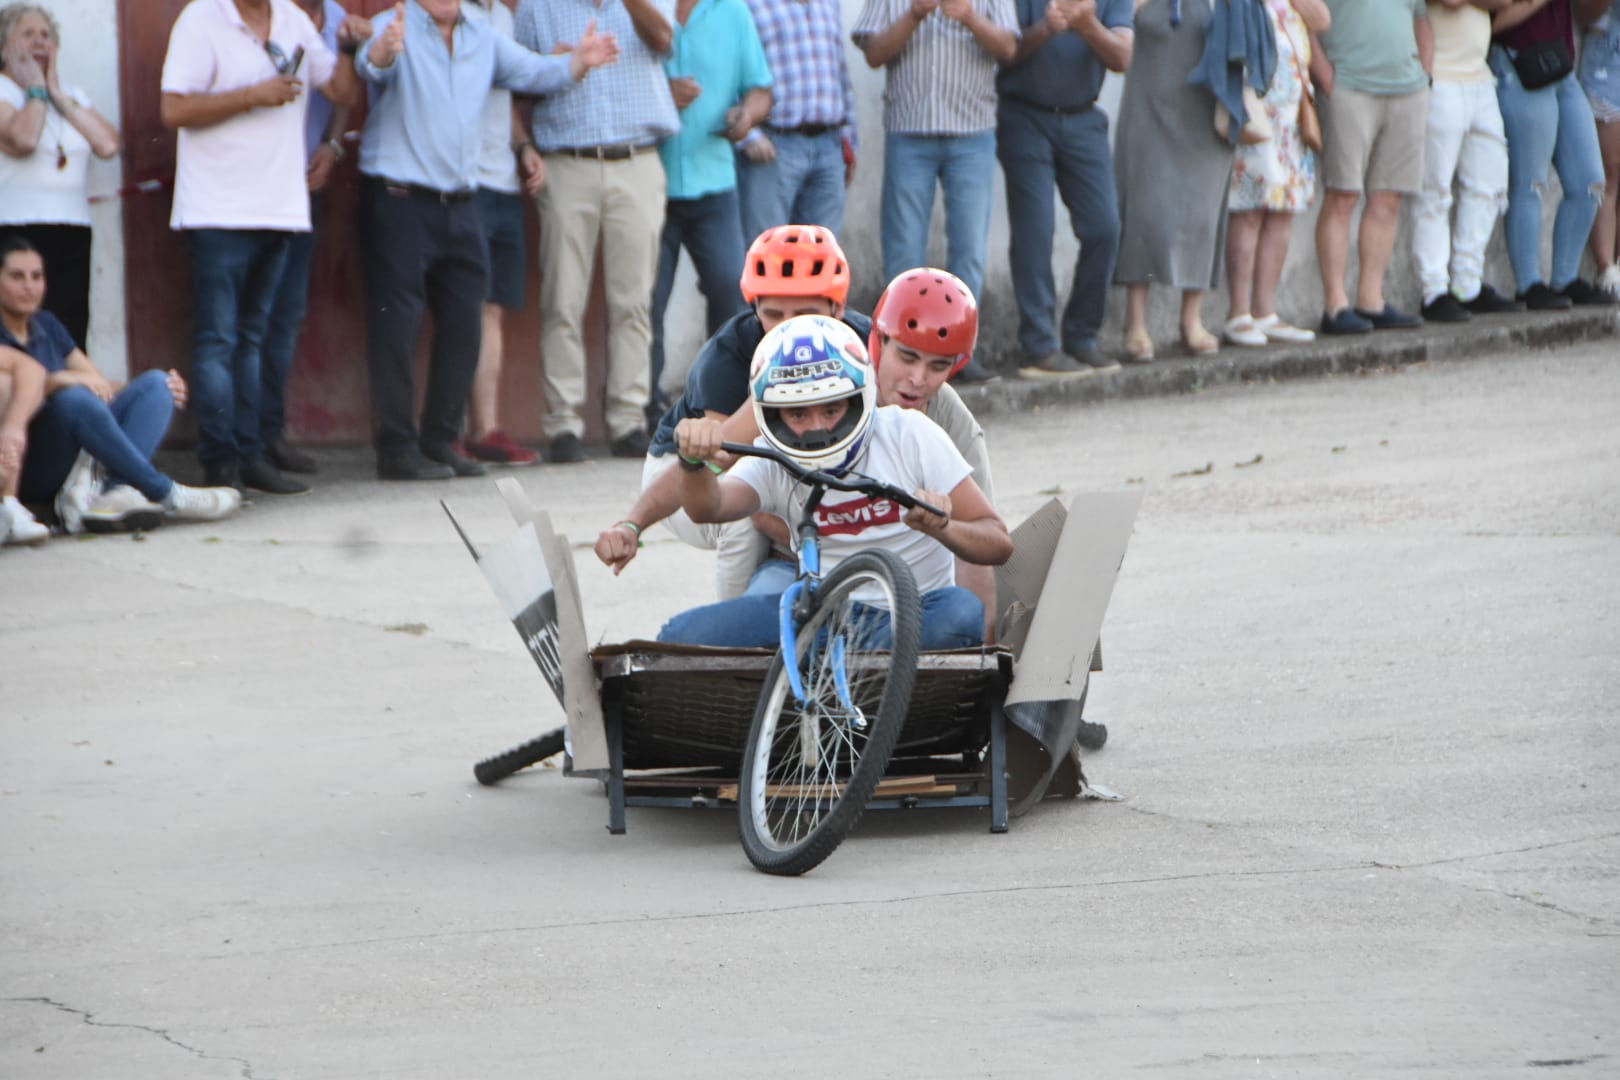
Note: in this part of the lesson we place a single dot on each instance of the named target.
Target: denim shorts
(1600, 67)
(505, 241)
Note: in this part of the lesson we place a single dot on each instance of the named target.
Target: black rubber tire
(494, 769)
(782, 833)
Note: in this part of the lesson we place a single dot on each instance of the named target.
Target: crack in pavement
(90, 1020)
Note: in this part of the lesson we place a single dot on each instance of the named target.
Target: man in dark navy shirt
(1049, 133)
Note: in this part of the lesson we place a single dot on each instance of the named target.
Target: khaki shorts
(1373, 142)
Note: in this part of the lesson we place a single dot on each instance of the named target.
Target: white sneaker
(201, 504)
(1609, 281)
(84, 482)
(18, 526)
(122, 509)
(1277, 330)
(1242, 331)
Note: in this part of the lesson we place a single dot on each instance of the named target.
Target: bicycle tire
(794, 812)
(494, 769)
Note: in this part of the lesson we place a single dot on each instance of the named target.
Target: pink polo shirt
(247, 172)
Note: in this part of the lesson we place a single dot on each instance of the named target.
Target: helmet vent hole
(817, 267)
(911, 324)
(787, 268)
(943, 333)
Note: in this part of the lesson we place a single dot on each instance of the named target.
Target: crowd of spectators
(644, 128)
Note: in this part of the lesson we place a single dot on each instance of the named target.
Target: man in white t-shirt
(236, 83)
(1466, 146)
(815, 397)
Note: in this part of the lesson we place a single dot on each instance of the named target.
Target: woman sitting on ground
(90, 445)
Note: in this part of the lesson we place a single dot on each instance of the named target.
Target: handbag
(1310, 124)
(1256, 129)
(1543, 63)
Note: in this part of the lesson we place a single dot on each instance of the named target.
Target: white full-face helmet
(811, 360)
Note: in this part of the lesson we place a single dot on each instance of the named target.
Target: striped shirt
(804, 45)
(623, 102)
(943, 82)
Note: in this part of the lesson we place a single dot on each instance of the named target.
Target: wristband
(349, 48)
(522, 146)
(337, 147)
(38, 93)
(635, 530)
(690, 464)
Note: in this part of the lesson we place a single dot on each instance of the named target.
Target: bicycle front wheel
(810, 766)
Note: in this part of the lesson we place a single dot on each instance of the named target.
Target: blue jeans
(122, 435)
(710, 228)
(803, 186)
(913, 165)
(952, 618)
(286, 319)
(1040, 150)
(1552, 126)
(235, 274)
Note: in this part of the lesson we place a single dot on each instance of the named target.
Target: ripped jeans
(1465, 146)
(1550, 127)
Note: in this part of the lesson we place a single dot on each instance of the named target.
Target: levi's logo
(857, 515)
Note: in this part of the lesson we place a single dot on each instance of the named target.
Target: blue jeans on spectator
(1040, 150)
(122, 435)
(952, 618)
(235, 274)
(286, 320)
(803, 186)
(1549, 127)
(913, 166)
(710, 228)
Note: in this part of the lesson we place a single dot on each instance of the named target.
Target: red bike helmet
(928, 310)
(796, 260)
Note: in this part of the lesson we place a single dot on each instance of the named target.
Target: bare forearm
(650, 25)
(1315, 15)
(984, 541)
(657, 500)
(757, 104)
(890, 42)
(1588, 12)
(1425, 43)
(97, 131)
(27, 378)
(1000, 42)
(1113, 47)
(1515, 13)
(20, 135)
(205, 110)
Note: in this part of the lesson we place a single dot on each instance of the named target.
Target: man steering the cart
(814, 398)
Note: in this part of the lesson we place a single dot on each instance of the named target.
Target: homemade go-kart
(847, 714)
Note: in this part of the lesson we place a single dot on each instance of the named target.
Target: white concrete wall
(90, 61)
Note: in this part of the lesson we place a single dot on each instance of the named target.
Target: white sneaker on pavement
(84, 482)
(201, 504)
(18, 526)
(122, 509)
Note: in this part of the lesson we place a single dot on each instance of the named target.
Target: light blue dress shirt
(427, 107)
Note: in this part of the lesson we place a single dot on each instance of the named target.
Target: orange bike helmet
(928, 310)
(796, 260)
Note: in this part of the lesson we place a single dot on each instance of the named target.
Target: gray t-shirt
(951, 413)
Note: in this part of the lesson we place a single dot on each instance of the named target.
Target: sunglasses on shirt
(284, 64)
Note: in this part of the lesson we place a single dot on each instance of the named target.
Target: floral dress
(1280, 173)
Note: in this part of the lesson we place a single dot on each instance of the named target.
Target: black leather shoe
(633, 445)
(460, 464)
(974, 374)
(1491, 302)
(1446, 308)
(1585, 294)
(566, 449)
(260, 475)
(409, 464)
(288, 458)
(1391, 318)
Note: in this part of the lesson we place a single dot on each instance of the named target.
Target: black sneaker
(409, 464)
(1490, 302)
(633, 445)
(1391, 318)
(1539, 297)
(1446, 308)
(223, 475)
(1345, 321)
(566, 449)
(460, 464)
(288, 458)
(260, 475)
(1585, 294)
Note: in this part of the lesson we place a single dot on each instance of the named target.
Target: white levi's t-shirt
(246, 172)
(905, 449)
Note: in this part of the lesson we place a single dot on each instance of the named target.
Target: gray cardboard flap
(579, 693)
(1072, 592)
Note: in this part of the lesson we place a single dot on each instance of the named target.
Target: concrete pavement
(1361, 688)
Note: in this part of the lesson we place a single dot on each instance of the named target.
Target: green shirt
(1373, 46)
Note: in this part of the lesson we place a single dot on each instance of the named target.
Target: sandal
(1244, 330)
(1138, 347)
(1200, 342)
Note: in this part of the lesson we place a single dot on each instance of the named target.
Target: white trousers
(1466, 147)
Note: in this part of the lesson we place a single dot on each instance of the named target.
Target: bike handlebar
(866, 485)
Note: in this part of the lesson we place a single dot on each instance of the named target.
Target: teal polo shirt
(719, 47)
